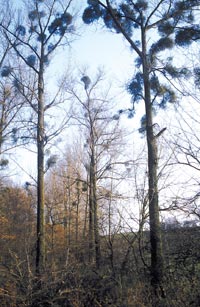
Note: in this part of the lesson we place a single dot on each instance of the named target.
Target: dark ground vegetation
(123, 279)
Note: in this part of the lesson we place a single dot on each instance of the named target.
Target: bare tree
(99, 127)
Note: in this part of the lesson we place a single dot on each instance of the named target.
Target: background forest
(99, 167)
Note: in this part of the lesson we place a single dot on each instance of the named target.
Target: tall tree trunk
(40, 249)
(94, 238)
(96, 224)
(86, 189)
(2, 123)
(157, 263)
(77, 213)
(69, 213)
(91, 217)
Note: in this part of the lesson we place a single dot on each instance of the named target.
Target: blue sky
(93, 48)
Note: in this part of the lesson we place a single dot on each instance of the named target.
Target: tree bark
(94, 238)
(96, 225)
(91, 217)
(157, 262)
(40, 249)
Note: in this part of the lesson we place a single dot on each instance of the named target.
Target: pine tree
(151, 27)
(35, 36)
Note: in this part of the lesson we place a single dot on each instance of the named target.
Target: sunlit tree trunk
(77, 213)
(94, 239)
(155, 230)
(96, 223)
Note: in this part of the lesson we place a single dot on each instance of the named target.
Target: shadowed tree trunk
(40, 249)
